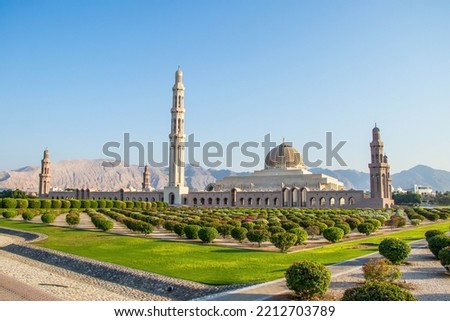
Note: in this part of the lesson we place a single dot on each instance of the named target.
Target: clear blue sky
(77, 74)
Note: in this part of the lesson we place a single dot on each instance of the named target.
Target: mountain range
(91, 174)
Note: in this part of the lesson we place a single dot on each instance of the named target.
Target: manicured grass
(201, 263)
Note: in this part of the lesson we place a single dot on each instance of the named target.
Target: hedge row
(100, 222)
(131, 223)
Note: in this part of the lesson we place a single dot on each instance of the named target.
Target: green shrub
(137, 225)
(333, 234)
(129, 204)
(381, 270)
(288, 225)
(74, 203)
(258, 236)
(9, 213)
(308, 279)
(34, 203)
(239, 233)
(73, 218)
(377, 291)
(345, 227)
(9, 203)
(101, 222)
(283, 241)
(437, 243)
(109, 204)
(56, 204)
(179, 229)
(395, 221)
(207, 234)
(93, 204)
(276, 229)
(191, 231)
(119, 204)
(444, 257)
(65, 204)
(22, 203)
(416, 222)
(48, 217)
(85, 204)
(46, 203)
(374, 222)
(101, 204)
(395, 250)
(366, 228)
(249, 226)
(430, 233)
(224, 230)
(301, 234)
(168, 225)
(28, 215)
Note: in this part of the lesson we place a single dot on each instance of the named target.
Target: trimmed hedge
(308, 279)
(100, 222)
(46, 204)
(381, 270)
(9, 213)
(430, 233)
(65, 204)
(444, 257)
(239, 233)
(56, 204)
(301, 234)
(366, 228)
(258, 236)
(191, 231)
(9, 203)
(22, 203)
(377, 291)
(29, 215)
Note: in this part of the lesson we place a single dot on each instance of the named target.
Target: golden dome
(284, 156)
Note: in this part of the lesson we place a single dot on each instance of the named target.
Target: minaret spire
(146, 179)
(44, 176)
(172, 194)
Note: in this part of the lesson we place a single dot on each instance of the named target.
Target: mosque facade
(284, 181)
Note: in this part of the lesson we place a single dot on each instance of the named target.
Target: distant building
(284, 182)
(422, 190)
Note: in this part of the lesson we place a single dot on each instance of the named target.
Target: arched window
(351, 201)
(341, 201)
(241, 201)
(322, 201)
(217, 201)
(195, 200)
(250, 201)
(275, 201)
(225, 201)
(312, 202)
(258, 201)
(202, 201)
(210, 201)
(332, 202)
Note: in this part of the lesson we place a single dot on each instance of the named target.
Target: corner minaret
(176, 188)
(380, 177)
(146, 179)
(44, 176)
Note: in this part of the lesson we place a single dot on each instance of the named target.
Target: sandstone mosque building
(284, 182)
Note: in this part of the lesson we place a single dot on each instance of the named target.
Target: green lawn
(197, 262)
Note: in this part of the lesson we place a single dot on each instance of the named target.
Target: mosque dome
(284, 156)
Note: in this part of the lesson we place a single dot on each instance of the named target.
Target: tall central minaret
(176, 188)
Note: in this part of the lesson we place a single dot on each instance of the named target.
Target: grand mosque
(284, 181)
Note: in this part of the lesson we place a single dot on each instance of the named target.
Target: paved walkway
(424, 274)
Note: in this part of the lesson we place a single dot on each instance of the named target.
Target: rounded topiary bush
(34, 203)
(9, 203)
(283, 240)
(207, 234)
(191, 231)
(22, 203)
(345, 227)
(258, 236)
(352, 222)
(56, 204)
(308, 279)
(101, 204)
(73, 218)
(9, 213)
(239, 233)
(444, 257)
(301, 234)
(437, 243)
(74, 203)
(65, 204)
(46, 203)
(430, 233)
(48, 217)
(28, 215)
(395, 250)
(381, 270)
(85, 204)
(179, 229)
(366, 228)
(333, 234)
(225, 230)
(377, 291)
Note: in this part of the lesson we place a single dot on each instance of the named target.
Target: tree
(224, 230)
(283, 241)
(191, 231)
(407, 198)
(308, 279)
(258, 236)
(301, 234)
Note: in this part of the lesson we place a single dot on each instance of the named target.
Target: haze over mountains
(91, 174)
